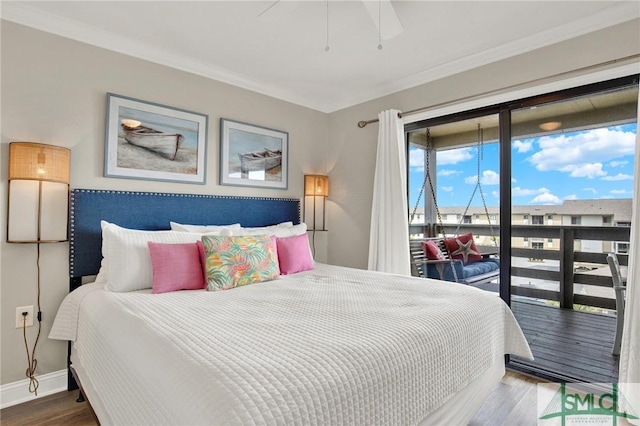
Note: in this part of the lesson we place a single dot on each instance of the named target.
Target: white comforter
(329, 346)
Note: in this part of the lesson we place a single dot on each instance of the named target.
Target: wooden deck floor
(575, 344)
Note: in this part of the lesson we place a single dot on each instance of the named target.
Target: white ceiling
(281, 52)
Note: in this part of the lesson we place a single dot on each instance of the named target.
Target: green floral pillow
(235, 261)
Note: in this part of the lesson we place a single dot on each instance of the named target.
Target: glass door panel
(461, 193)
(572, 167)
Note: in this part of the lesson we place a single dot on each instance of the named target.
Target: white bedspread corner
(65, 324)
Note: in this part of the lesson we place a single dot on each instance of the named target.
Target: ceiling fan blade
(268, 8)
(383, 13)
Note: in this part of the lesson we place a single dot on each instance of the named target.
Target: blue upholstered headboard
(154, 211)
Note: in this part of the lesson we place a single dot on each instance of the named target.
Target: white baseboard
(18, 392)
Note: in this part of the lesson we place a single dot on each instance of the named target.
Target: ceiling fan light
(550, 126)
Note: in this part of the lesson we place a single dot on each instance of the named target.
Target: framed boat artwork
(145, 140)
(253, 155)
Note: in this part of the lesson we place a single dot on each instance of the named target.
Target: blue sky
(590, 164)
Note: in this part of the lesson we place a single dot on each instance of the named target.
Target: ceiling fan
(384, 17)
(381, 12)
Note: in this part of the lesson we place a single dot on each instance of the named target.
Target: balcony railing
(566, 274)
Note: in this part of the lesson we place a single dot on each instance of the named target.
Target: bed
(330, 345)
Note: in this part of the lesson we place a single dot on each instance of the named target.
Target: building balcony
(562, 297)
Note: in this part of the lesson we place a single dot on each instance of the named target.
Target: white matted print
(253, 155)
(146, 140)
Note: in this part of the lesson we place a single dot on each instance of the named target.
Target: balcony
(567, 344)
(563, 298)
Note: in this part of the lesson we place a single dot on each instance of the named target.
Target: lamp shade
(317, 185)
(36, 161)
(38, 193)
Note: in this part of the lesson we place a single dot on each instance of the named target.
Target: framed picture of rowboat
(145, 140)
(253, 155)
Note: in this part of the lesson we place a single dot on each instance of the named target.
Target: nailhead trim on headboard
(200, 209)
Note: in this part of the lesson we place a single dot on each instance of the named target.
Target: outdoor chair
(619, 288)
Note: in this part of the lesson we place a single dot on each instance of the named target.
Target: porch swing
(454, 258)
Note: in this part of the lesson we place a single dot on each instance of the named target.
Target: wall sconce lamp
(38, 193)
(316, 186)
(37, 210)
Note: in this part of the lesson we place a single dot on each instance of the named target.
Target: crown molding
(614, 15)
(22, 13)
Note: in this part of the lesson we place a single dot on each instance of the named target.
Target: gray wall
(54, 91)
(352, 150)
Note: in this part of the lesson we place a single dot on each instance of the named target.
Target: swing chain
(478, 188)
(427, 179)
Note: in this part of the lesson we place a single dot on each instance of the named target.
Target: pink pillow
(294, 255)
(463, 247)
(432, 251)
(203, 260)
(175, 267)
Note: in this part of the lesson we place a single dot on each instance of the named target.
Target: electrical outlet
(19, 317)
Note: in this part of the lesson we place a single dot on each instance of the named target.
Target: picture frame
(146, 140)
(253, 155)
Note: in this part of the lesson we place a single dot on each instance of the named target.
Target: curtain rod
(363, 123)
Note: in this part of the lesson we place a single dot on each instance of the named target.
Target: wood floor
(577, 344)
(53, 410)
(512, 403)
(509, 404)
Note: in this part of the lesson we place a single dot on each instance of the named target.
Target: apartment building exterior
(596, 212)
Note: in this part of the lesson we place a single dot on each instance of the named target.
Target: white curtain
(389, 237)
(630, 352)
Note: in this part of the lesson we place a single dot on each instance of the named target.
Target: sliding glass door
(547, 181)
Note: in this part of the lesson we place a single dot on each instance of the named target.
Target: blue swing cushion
(475, 266)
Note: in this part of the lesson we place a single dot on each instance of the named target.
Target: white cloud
(513, 180)
(618, 191)
(618, 163)
(489, 177)
(595, 191)
(454, 156)
(523, 147)
(523, 192)
(448, 172)
(447, 188)
(619, 176)
(571, 197)
(416, 160)
(546, 198)
(496, 194)
(581, 151)
(590, 170)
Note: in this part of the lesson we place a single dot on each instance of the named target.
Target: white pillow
(102, 276)
(203, 229)
(276, 230)
(270, 227)
(127, 258)
(285, 225)
(291, 231)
